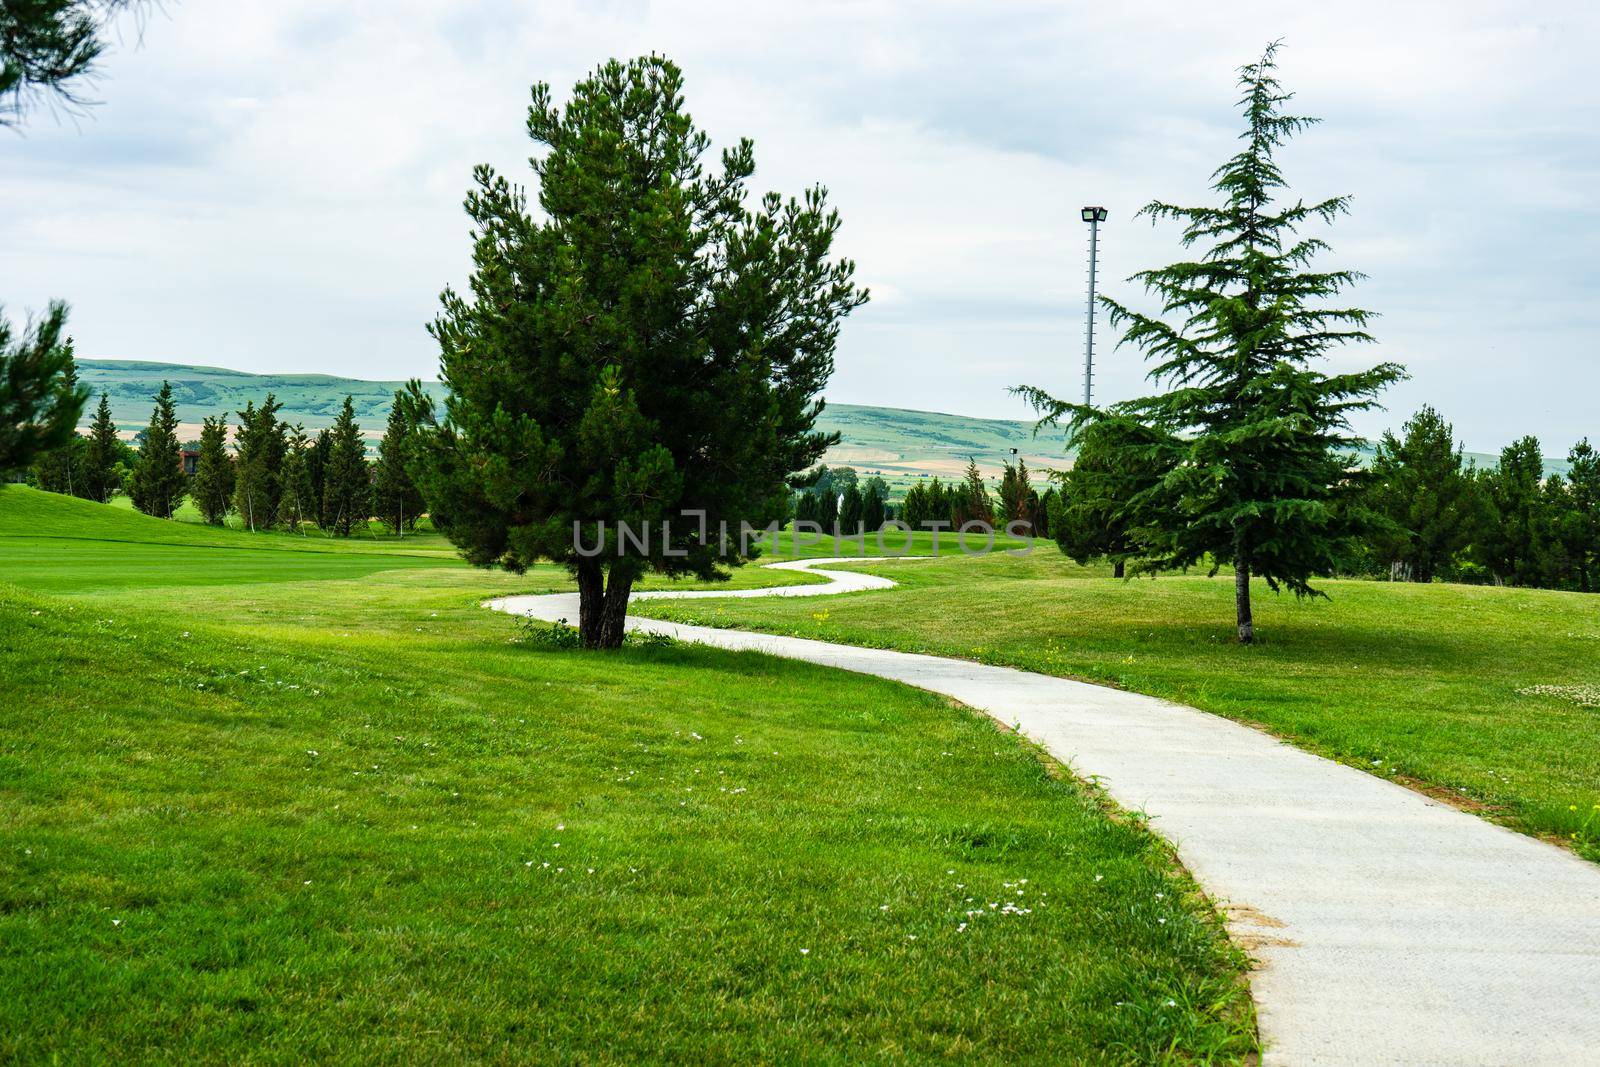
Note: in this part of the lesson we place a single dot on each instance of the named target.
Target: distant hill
(900, 445)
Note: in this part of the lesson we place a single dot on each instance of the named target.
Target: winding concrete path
(1389, 928)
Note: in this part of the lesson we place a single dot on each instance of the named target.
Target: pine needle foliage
(1252, 433)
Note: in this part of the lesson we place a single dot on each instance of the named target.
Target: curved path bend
(1388, 928)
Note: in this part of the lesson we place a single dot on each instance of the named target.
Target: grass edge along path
(1404, 682)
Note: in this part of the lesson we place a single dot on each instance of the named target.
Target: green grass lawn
(1431, 685)
(269, 800)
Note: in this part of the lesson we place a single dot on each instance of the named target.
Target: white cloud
(276, 184)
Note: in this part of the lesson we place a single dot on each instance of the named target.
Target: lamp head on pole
(1095, 214)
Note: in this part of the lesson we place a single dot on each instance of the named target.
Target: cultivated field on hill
(900, 445)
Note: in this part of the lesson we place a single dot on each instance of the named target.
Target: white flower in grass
(805, 952)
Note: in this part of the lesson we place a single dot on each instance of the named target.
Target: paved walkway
(1390, 928)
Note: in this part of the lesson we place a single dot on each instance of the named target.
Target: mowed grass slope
(350, 816)
(1437, 686)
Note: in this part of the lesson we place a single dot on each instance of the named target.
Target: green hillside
(899, 444)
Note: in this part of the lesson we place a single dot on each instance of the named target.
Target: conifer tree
(828, 511)
(938, 504)
(102, 455)
(874, 506)
(1579, 527)
(158, 483)
(914, 508)
(1104, 494)
(39, 396)
(851, 515)
(1043, 521)
(972, 502)
(650, 347)
(262, 442)
(316, 472)
(347, 481)
(805, 508)
(1420, 484)
(1017, 498)
(1512, 543)
(212, 488)
(297, 505)
(395, 495)
(1254, 437)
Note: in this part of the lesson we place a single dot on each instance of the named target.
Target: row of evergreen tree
(275, 475)
(838, 501)
(1429, 513)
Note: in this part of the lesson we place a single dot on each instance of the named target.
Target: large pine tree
(212, 489)
(1254, 437)
(298, 503)
(39, 396)
(262, 442)
(1421, 485)
(347, 481)
(395, 496)
(102, 454)
(1514, 542)
(647, 348)
(158, 484)
(1579, 528)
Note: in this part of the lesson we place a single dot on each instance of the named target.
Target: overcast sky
(275, 185)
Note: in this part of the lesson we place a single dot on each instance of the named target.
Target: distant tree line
(839, 501)
(1428, 514)
(275, 476)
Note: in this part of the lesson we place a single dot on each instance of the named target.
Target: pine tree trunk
(602, 604)
(1241, 597)
(614, 614)
(591, 601)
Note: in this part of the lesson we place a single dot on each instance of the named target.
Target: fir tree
(395, 495)
(1422, 487)
(1043, 521)
(914, 508)
(262, 442)
(805, 508)
(212, 488)
(828, 511)
(158, 483)
(1017, 499)
(347, 482)
(39, 397)
(939, 508)
(972, 502)
(874, 505)
(102, 454)
(1579, 527)
(297, 505)
(1254, 438)
(1105, 495)
(316, 473)
(652, 343)
(850, 512)
(1513, 543)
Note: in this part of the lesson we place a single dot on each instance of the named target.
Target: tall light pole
(1094, 216)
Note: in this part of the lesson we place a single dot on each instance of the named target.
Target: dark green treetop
(158, 485)
(648, 345)
(212, 488)
(1254, 437)
(347, 480)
